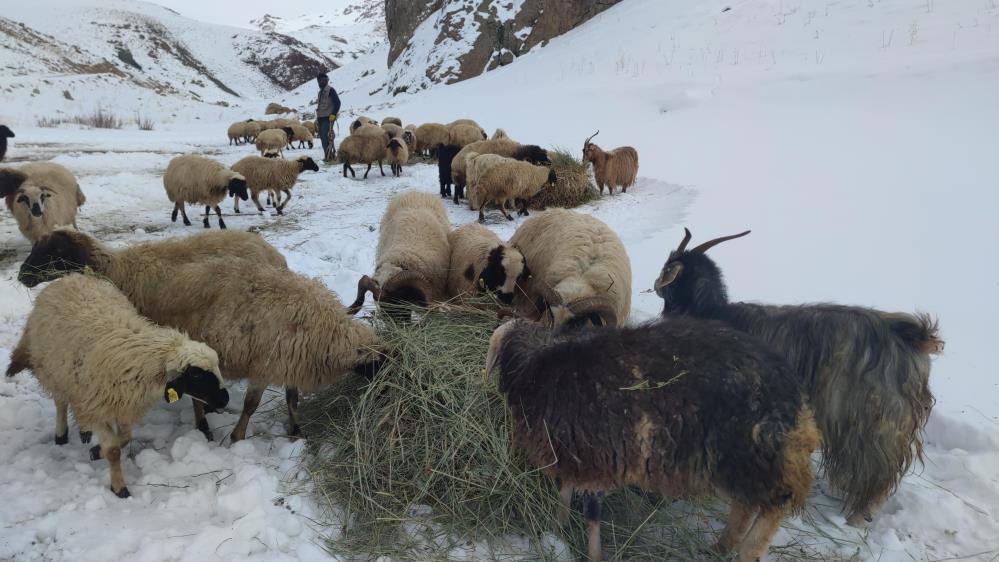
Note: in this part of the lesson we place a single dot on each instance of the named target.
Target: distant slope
(343, 30)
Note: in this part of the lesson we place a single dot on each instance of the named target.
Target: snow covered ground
(855, 137)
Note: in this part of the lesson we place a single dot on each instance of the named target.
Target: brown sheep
(463, 135)
(362, 149)
(398, 155)
(619, 167)
(431, 136)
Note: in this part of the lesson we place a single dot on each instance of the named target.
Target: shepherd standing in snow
(327, 107)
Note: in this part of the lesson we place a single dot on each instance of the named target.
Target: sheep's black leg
(291, 399)
(86, 436)
(173, 215)
(380, 169)
(482, 216)
(502, 208)
(218, 212)
(593, 503)
(523, 209)
(200, 421)
(183, 213)
(250, 404)
(62, 425)
(256, 201)
(208, 213)
(368, 170)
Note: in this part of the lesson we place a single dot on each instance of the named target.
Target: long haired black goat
(866, 372)
(681, 408)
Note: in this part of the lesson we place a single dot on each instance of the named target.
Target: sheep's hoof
(202, 426)
(206, 224)
(221, 225)
(236, 211)
(95, 453)
(85, 436)
(187, 222)
(122, 493)
(859, 520)
(62, 439)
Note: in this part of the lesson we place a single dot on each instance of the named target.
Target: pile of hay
(573, 187)
(418, 465)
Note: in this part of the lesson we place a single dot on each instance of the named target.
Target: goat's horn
(602, 305)
(364, 285)
(683, 243)
(587, 141)
(412, 279)
(712, 243)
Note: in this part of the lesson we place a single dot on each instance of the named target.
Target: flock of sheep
(716, 398)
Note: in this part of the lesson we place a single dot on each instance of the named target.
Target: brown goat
(618, 167)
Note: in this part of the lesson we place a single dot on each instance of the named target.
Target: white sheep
(196, 179)
(362, 149)
(508, 180)
(237, 133)
(482, 263)
(274, 175)
(305, 340)
(42, 196)
(92, 352)
(273, 141)
(580, 271)
(302, 135)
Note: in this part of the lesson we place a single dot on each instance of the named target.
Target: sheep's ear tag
(87, 270)
(171, 396)
(482, 283)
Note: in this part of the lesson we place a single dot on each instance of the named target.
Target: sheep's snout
(202, 385)
(36, 210)
(505, 298)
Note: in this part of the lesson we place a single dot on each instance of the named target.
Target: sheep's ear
(10, 180)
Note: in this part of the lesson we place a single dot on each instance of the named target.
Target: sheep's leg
(85, 436)
(565, 503)
(250, 404)
(62, 425)
(624, 189)
(502, 208)
(865, 513)
(256, 201)
(287, 198)
(291, 399)
(200, 421)
(218, 212)
(523, 208)
(173, 215)
(110, 450)
(757, 542)
(183, 212)
(124, 435)
(482, 216)
(380, 169)
(740, 518)
(235, 206)
(593, 502)
(368, 170)
(208, 213)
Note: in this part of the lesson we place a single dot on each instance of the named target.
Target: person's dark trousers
(324, 131)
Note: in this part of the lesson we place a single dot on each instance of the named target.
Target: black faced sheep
(482, 263)
(196, 179)
(92, 352)
(506, 179)
(272, 142)
(42, 196)
(619, 167)
(866, 372)
(686, 408)
(275, 175)
(397, 156)
(503, 147)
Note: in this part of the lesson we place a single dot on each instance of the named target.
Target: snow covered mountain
(138, 56)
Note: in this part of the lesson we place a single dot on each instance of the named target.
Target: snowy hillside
(343, 31)
(138, 56)
(856, 138)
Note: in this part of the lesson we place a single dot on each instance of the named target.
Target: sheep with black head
(866, 372)
(682, 408)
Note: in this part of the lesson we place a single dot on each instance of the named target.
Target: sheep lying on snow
(580, 271)
(619, 167)
(508, 179)
(362, 149)
(527, 152)
(302, 135)
(445, 162)
(462, 135)
(431, 136)
(393, 121)
(481, 262)
(686, 408)
(272, 141)
(91, 351)
(275, 175)
(412, 257)
(5, 134)
(305, 340)
(866, 372)
(140, 271)
(41, 196)
(398, 155)
(196, 179)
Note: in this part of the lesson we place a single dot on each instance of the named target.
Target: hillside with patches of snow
(343, 30)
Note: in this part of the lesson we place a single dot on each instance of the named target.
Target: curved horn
(412, 279)
(683, 243)
(364, 284)
(602, 305)
(712, 243)
(587, 141)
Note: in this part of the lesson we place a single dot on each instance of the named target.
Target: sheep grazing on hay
(503, 147)
(42, 196)
(92, 352)
(866, 372)
(682, 408)
(619, 167)
(5, 133)
(506, 179)
(482, 263)
(195, 179)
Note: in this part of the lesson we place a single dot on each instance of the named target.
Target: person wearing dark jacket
(327, 108)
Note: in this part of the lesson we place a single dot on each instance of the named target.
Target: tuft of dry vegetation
(573, 187)
(98, 119)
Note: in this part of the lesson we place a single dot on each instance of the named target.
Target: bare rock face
(446, 41)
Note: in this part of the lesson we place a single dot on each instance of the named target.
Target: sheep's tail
(796, 469)
(20, 359)
(920, 332)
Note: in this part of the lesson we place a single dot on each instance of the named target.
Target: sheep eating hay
(196, 179)
(481, 262)
(92, 352)
(866, 372)
(506, 179)
(42, 196)
(682, 408)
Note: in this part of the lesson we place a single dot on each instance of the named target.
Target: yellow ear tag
(87, 270)
(482, 283)
(172, 395)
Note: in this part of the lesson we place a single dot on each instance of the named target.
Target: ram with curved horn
(866, 372)
(413, 254)
(612, 168)
(580, 271)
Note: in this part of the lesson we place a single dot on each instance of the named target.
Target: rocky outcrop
(446, 41)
